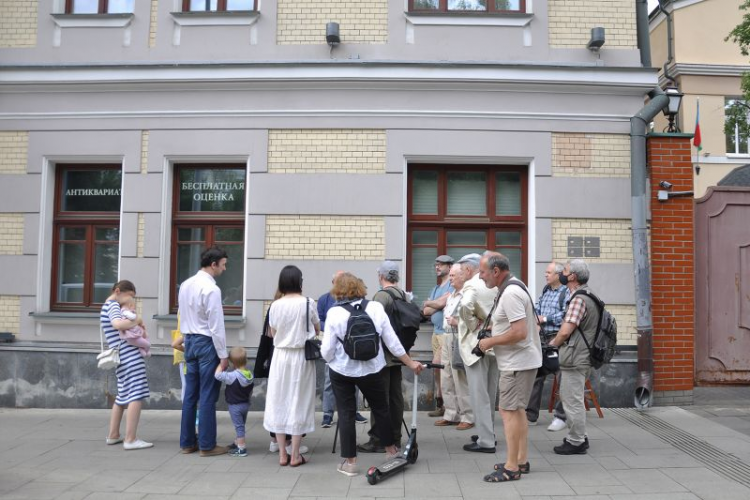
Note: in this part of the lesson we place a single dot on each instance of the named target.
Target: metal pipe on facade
(639, 202)
(644, 40)
(670, 41)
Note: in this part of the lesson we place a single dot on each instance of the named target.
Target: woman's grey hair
(498, 260)
(580, 269)
(558, 267)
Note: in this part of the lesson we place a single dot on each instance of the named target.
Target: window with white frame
(736, 125)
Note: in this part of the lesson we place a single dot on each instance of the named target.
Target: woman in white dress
(290, 396)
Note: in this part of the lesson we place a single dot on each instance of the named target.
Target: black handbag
(312, 346)
(550, 361)
(265, 352)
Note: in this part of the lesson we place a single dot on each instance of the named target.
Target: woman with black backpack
(352, 347)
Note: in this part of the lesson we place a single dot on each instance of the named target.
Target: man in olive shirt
(581, 318)
(388, 277)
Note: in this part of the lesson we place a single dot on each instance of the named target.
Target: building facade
(133, 134)
(707, 69)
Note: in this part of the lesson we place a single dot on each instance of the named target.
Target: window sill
(92, 20)
(468, 19)
(67, 318)
(171, 319)
(233, 18)
(738, 155)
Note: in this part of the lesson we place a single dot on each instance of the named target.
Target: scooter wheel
(413, 455)
(373, 475)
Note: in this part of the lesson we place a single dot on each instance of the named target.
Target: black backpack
(362, 340)
(602, 349)
(405, 318)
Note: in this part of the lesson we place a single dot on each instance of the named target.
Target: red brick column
(672, 270)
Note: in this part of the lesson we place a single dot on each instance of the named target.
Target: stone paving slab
(60, 454)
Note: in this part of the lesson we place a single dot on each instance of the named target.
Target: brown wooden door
(722, 251)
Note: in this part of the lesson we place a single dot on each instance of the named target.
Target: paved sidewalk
(61, 454)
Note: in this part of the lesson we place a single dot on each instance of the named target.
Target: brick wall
(349, 151)
(672, 267)
(10, 313)
(144, 151)
(570, 23)
(153, 23)
(14, 148)
(18, 20)
(141, 234)
(626, 323)
(316, 237)
(615, 238)
(11, 234)
(360, 21)
(590, 155)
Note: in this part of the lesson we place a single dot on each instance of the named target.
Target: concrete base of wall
(673, 398)
(41, 375)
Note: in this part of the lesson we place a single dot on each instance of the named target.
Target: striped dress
(132, 383)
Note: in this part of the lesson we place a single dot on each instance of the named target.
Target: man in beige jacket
(458, 410)
(482, 373)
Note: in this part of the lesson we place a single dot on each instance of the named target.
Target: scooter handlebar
(434, 365)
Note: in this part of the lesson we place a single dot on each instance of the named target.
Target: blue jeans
(200, 385)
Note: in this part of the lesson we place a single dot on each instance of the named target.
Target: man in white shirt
(202, 327)
(518, 353)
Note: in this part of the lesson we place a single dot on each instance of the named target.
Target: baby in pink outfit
(137, 335)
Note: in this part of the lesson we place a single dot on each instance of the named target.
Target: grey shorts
(515, 389)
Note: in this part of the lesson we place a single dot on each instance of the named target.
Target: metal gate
(722, 295)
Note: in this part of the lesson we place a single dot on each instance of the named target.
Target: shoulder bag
(312, 346)
(110, 358)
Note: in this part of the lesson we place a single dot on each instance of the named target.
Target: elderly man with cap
(433, 308)
(476, 305)
(388, 277)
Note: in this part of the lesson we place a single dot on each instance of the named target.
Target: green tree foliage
(736, 113)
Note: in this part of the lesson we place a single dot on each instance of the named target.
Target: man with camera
(581, 319)
(550, 309)
(481, 371)
(518, 353)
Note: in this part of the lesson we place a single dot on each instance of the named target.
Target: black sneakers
(568, 448)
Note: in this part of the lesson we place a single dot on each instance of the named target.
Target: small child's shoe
(238, 452)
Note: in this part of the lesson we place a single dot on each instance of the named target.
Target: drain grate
(709, 455)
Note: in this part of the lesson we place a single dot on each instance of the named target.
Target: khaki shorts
(437, 345)
(515, 389)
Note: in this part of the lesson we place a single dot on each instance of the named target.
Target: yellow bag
(177, 356)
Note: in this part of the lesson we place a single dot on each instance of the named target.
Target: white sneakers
(274, 448)
(557, 425)
(138, 444)
(111, 441)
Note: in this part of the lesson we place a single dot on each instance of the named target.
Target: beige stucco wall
(700, 30)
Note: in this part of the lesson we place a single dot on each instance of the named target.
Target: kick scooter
(410, 452)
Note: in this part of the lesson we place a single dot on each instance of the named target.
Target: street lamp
(673, 107)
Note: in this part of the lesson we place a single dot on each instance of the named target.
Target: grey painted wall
(233, 43)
